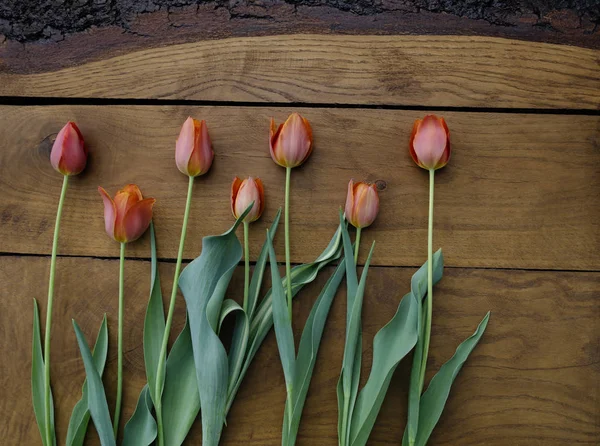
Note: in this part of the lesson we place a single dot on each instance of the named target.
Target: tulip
(128, 216)
(69, 154)
(362, 204)
(193, 149)
(290, 145)
(245, 192)
(291, 142)
(430, 143)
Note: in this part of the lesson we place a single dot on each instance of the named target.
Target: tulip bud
(362, 204)
(291, 142)
(69, 154)
(430, 143)
(128, 216)
(245, 192)
(193, 149)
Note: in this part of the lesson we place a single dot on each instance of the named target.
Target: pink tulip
(69, 154)
(193, 149)
(245, 192)
(291, 143)
(128, 216)
(362, 204)
(430, 143)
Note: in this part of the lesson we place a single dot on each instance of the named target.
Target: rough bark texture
(40, 35)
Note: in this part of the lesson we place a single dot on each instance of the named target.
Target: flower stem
(120, 342)
(163, 350)
(247, 266)
(288, 268)
(61, 201)
(357, 244)
(427, 326)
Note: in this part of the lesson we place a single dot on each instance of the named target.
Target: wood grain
(532, 380)
(521, 191)
(397, 70)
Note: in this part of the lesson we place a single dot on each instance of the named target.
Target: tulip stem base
(428, 317)
(120, 342)
(160, 372)
(357, 244)
(288, 267)
(247, 266)
(61, 201)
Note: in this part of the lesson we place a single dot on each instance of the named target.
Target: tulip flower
(193, 157)
(243, 194)
(362, 206)
(430, 143)
(290, 145)
(69, 154)
(430, 148)
(193, 149)
(126, 218)
(69, 157)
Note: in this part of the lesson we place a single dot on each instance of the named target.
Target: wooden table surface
(517, 209)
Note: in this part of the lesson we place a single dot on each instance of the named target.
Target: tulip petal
(202, 156)
(110, 212)
(69, 154)
(348, 211)
(261, 193)
(430, 141)
(137, 219)
(184, 146)
(235, 187)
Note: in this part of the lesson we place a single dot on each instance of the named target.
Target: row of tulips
(199, 372)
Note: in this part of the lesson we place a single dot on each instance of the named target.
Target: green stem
(427, 327)
(247, 268)
(120, 342)
(61, 201)
(357, 244)
(288, 268)
(163, 350)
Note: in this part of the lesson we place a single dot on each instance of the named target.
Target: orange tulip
(193, 149)
(291, 143)
(430, 143)
(69, 154)
(245, 192)
(128, 216)
(362, 204)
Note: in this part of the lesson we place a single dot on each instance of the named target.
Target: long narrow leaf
(390, 345)
(203, 283)
(154, 322)
(96, 397)
(435, 397)
(38, 380)
(141, 428)
(308, 349)
(80, 416)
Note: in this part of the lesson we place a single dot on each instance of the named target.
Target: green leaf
(435, 397)
(390, 345)
(203, 283)
(154, 322)
(180, 398)
(308, 349)
(38, 380)
(141, 428)
(283, 323)
(96, 396)
(262, 320)
(80, 416)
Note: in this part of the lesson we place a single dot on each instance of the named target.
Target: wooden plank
(398, 70)
(532, 380)
(521, 191)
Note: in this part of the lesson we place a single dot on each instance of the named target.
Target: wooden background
(517, 208)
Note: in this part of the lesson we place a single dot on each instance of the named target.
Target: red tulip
(291, 143)
(69, 154)
(430, 143)
(128, 216)
(245, 192)
(362, 204)
(193, 149)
